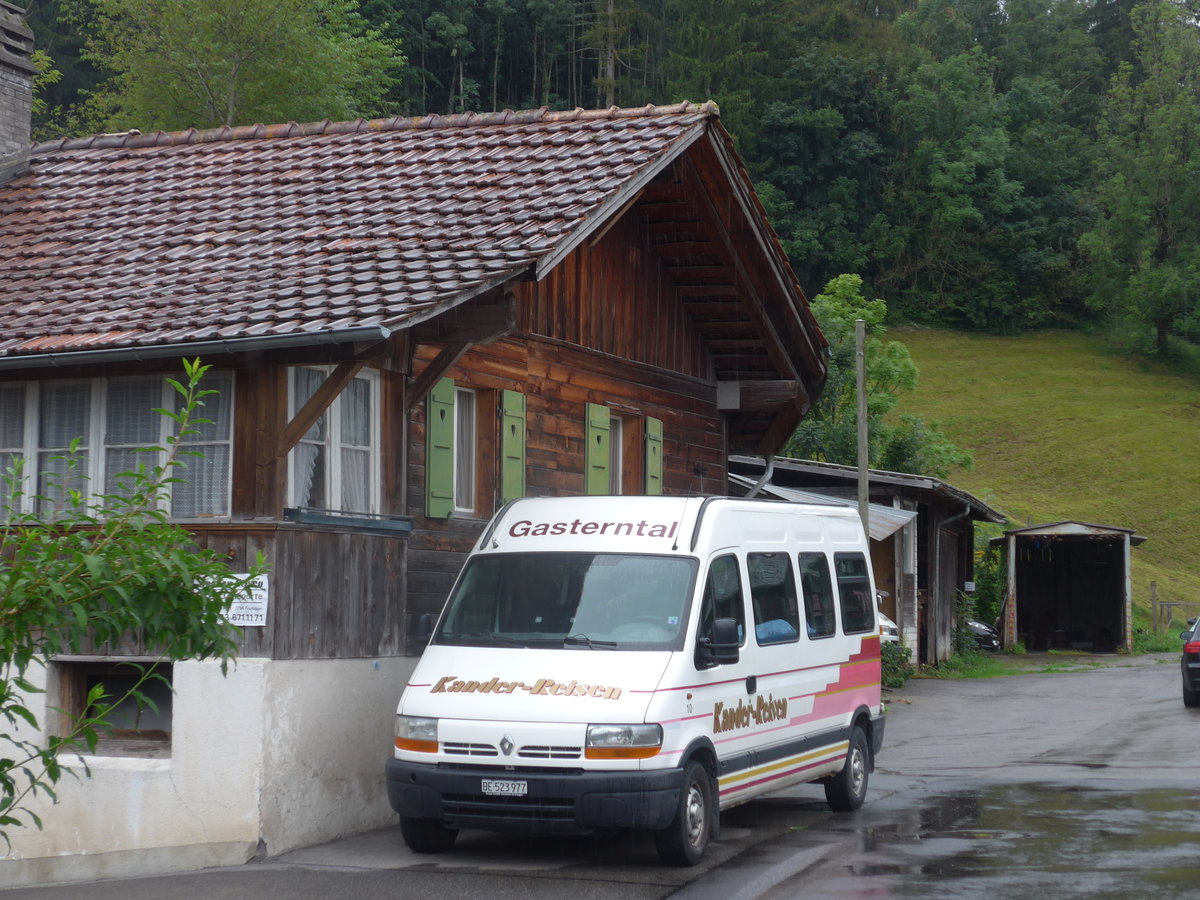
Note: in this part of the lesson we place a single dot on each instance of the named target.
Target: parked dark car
(986, 637)
(1190, 664)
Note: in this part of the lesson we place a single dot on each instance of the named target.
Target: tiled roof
(138, 240)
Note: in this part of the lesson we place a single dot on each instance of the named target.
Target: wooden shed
(1069, 587)
(923, 540)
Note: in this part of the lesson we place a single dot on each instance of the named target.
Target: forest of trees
(979, 164)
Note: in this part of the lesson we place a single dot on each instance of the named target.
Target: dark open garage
(1069, 587)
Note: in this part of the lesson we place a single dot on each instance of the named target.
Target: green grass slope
(1060, 429)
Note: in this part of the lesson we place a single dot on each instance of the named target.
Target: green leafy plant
(964, 637)
(1155, 642)
(897, 668)
(105, 570)
(970, 664)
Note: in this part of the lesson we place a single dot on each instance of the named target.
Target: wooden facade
(607, 327)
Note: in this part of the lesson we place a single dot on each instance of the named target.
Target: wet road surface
(1077, 784)
(1016, 841)
(1071, 784)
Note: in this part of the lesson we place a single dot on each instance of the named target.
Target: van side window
(773, 596)
(723, 597)
(854, 588)
(818, 595)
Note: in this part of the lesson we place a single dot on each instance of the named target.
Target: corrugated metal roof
(1072, 528)
(849, 474)
(882, 521)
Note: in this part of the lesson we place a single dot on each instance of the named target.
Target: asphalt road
(1063, 784)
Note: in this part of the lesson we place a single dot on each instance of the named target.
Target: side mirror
(722, 648)
(1184, 635)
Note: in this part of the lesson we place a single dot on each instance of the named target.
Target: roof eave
(980, 511)
(222, 347)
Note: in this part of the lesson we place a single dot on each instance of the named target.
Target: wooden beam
(612, 220)
(437, 367)
(471, 323)
(316, 406)
(748, 396)
(755, 303)
(782, 426)
(329, 390)
(707, 290)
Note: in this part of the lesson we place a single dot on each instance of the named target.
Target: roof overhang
(847, 477)
(202, 349)
(1072, 529)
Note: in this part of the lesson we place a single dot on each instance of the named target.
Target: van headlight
(417, 733)
(623, 741)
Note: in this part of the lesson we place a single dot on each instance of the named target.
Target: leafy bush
(106, 570)
(1153, 642)
(964, 637)
(896, 666)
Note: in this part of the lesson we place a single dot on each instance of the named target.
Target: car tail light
(1191, 647)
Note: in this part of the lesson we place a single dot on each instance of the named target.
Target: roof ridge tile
(135, 139)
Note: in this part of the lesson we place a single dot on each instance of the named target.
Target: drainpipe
(768, 471)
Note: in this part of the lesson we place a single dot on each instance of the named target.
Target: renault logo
(507, 744)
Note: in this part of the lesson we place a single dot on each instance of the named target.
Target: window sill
(126, 763)
(372, 523)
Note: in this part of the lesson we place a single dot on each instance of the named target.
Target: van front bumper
(553, 802)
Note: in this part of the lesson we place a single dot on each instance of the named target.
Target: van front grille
(455, 748)
(536, 751)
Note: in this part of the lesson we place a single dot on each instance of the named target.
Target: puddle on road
(1021, 841)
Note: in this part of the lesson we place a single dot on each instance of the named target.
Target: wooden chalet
(410, 321)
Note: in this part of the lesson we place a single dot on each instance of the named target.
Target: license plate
(505, 788)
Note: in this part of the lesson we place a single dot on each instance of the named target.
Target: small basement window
(134, 727)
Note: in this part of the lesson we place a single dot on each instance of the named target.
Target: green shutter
(512, 445)
(595, 457)
(654, 456)
(439, 450)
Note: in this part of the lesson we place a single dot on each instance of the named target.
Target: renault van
(642, 662)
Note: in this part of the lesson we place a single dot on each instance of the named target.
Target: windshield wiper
(584, 640)
(488, 636)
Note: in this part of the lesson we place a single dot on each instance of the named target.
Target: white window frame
(333, 444)
(96, 446)
(466, 445)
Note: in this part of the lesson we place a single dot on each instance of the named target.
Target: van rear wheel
(427, 835)
(683, 842)
(846, 791)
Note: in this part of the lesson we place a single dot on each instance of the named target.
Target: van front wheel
(427, 835)
(846, 791)
(683, 842)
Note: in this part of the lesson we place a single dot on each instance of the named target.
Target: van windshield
(589, 601)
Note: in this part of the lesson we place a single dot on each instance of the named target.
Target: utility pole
(860, 380)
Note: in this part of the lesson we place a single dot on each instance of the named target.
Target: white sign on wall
(250, 611)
